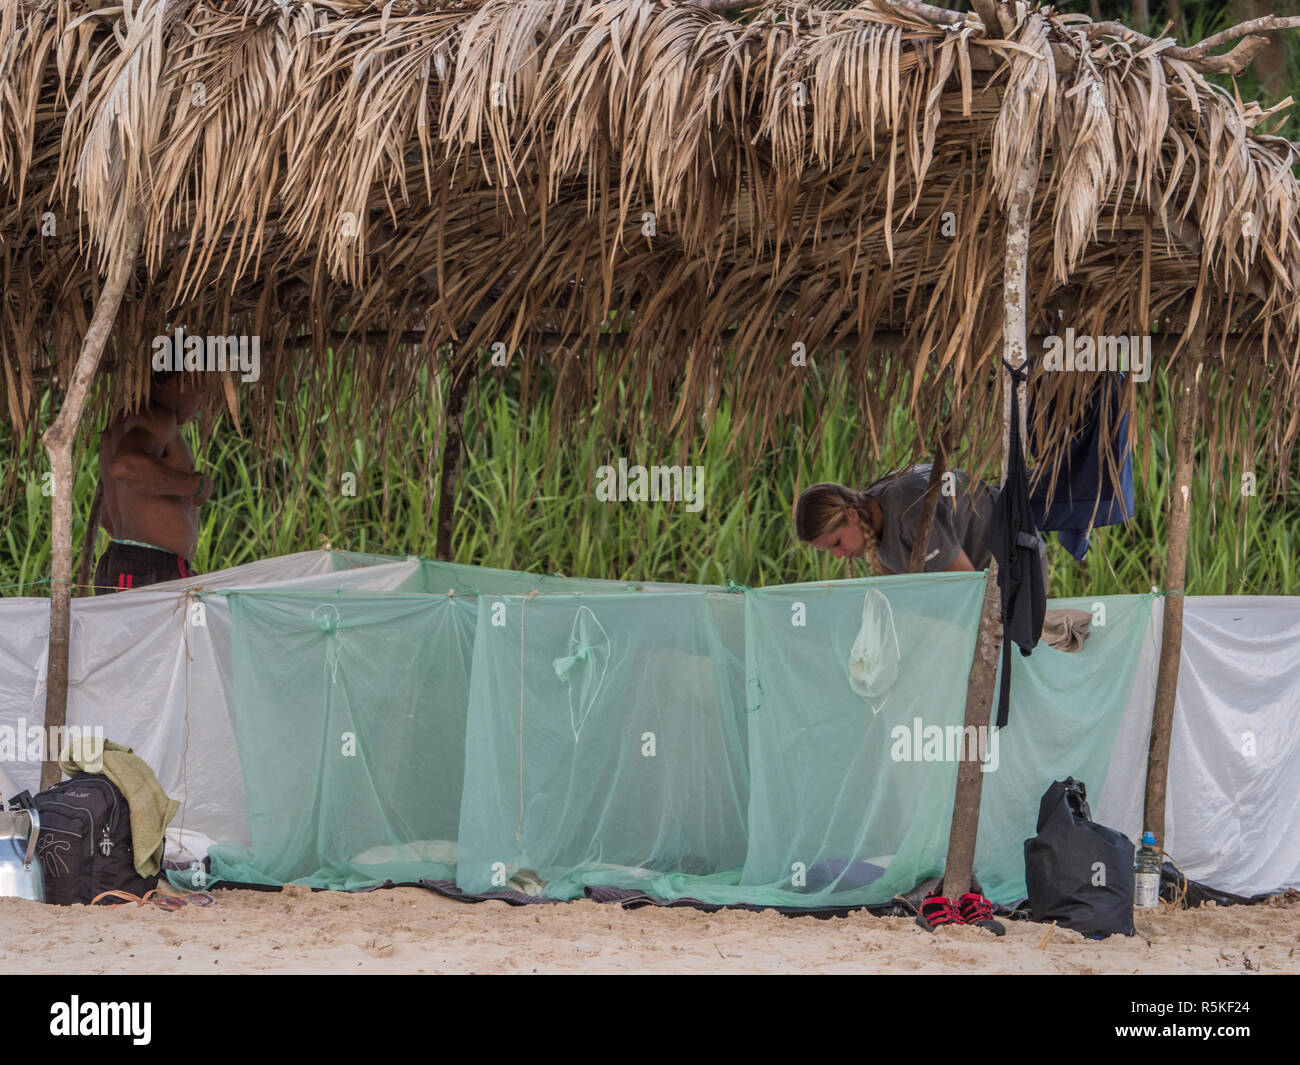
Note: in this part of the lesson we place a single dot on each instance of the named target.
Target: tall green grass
(522, 506)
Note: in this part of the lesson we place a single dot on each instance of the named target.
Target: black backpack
(1079, 873)
(84, 845)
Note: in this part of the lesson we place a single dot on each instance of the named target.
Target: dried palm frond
(634, 194)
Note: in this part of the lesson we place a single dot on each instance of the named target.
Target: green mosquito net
(435, 576)
(870, 750)
(349, 716)
(792, 746)
(606, 741)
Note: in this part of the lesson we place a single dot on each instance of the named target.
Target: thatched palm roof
(420, 172)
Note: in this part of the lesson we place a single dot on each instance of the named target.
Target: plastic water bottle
(1147, 869)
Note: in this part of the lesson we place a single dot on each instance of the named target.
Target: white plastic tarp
(155, 681)
(1233, 802)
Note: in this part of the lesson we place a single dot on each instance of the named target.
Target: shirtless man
(152, 493)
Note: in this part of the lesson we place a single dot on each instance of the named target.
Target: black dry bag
(1079, 873)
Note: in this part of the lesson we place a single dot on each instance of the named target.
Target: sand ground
(407, 930)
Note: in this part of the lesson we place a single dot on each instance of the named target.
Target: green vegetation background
(522, 505)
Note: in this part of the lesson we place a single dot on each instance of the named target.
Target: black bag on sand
(85, 841)
(1079, 873)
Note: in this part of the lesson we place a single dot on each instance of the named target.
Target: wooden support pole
(988, 13)
(988, 644)
(59, 440)
(453, 447)
(970, 777)
(1171, 641)
(882, 340)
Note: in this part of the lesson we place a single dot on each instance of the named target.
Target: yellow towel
(151, 809)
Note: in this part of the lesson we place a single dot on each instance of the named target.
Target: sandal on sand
(163, 902)
(115, 895)
(937, 911)
(125, 896)
(976, 910)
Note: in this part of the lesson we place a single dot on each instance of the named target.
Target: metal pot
(20, 873)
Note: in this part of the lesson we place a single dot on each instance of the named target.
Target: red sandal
(974, 909)
(937, 911)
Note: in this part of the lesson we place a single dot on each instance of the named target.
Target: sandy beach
(408, 930)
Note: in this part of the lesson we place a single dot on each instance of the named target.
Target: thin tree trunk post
(452, 451)
(916, 563)
(970, 778)
(983, 671)
(1171, 642)
(59, 439)
(1174, 10)
(988, 13)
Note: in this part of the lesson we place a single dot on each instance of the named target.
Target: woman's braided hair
(821, 510)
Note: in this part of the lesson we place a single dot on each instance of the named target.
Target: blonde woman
(880, 522)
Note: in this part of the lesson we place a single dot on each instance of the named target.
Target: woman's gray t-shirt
(961, 520)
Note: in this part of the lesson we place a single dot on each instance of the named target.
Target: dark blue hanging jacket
(1084, 494)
